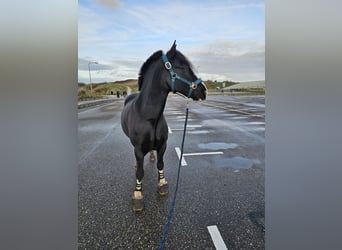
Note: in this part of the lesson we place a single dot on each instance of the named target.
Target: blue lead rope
(169, 216)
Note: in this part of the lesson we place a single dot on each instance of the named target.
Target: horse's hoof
(163, 190)
(137, 204)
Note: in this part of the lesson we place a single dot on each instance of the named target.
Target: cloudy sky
(224, 39)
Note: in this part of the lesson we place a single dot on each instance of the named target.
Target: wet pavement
(224, 189)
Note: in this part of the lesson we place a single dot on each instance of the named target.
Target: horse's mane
(156, 55)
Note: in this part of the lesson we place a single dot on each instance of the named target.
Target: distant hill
(127, 81)
(248, 85)
(99, 90)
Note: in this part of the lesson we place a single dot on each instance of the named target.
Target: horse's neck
(153, 94)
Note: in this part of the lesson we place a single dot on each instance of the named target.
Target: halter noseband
(174, 76)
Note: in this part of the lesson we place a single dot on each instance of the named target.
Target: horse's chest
(157, 130)
(156, 133)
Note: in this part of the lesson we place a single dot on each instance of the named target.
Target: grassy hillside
(109, 88)
(214, 85)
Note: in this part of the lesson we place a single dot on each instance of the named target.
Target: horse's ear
(172, 52)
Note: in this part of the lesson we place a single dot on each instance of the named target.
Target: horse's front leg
(163, 187)
(137, 199)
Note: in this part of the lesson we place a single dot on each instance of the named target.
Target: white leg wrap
(138, 186)
(161, 174)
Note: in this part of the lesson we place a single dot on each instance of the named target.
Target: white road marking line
(178, 151)
(189, 127)
(183, 162)
(217, 238)
(204, 153)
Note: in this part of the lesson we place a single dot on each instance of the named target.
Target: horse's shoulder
(130, 98)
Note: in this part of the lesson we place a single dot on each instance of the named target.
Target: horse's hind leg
(152, 156)
(137, 199)
(163, 187)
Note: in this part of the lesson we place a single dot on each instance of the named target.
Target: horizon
(136, 79)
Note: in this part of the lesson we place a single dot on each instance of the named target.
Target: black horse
(142, 117)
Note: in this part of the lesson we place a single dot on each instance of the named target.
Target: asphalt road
(221, 182)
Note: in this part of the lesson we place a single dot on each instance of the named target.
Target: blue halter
(174, 76)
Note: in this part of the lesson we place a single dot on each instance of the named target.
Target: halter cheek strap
(174, 77)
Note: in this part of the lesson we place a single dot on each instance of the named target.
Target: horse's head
(182, 78)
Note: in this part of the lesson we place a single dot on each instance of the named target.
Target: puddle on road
(239, 118)
(198, 132)
(217, 145)
(256, 123)
(257, 129)
(258, 105)
(237, 162)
